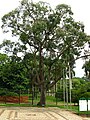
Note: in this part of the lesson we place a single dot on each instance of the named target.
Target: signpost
(89, 105)
(84, 105)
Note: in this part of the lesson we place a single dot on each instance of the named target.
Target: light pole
(64, 86)
(70, 84)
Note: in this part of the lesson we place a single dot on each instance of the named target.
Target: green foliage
(3, 59)
(59, 95)
(6, 92)
(80, 89)
(13, 76)
(86, 68)
(85, 95)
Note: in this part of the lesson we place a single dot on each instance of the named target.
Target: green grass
(17, 105)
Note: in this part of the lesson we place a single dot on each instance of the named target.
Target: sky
(80, 8)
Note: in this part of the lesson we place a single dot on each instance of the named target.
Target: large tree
(47, 34)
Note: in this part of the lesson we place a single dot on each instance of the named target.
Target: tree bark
(42, 97)
(42, 86)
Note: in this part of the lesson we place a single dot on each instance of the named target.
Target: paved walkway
(34, 113)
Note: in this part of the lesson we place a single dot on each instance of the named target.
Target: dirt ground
(34, 113)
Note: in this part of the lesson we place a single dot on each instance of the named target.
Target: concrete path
(34, 113)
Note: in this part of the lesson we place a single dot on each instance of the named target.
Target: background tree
(86, 67)
(13, 76)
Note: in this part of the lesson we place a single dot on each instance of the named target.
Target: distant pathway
(34, 113)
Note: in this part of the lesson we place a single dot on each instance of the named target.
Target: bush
(85, 95)
(59, 95)
(5, 92)
(75, 96)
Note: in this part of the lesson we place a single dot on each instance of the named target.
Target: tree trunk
(89, 75)
(42, 97)
(42, 86)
